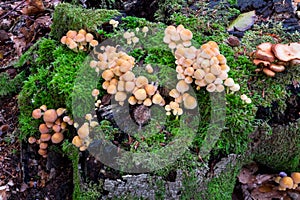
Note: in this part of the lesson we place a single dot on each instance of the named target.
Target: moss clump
(10, 86)
(51, 82)
(278, 148)
(70, 17)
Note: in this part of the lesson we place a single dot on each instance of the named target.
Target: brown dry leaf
(33, 7)
(19, 44)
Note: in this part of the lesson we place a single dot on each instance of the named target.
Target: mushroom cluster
(177, 37)
(83, 140)
(79, 41)
(274, 58)
(120, 81)
(287, 182)
(55, 124)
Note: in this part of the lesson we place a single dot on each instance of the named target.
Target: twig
(12, 10)
(8, 173)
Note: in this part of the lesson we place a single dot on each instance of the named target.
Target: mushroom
(141, 81)
(60, 111)
(258, 61)
(77, 141)
(43, 128)
(42, 152)
(45, 137)
(264, 52)
(190, 102)
(277, 68)
(83, 131)
(37, 113)
(269, 72)
(157, 99)
(50, 116)
(296, 179)
(43, 145)
(287, 52)
(285, 183)
(120, 96)
(57, 137)
(140, 94)
(182, 86)
(31, 140)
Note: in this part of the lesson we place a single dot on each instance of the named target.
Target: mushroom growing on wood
(264, 52)
(287, 52)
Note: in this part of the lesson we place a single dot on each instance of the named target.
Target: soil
(26, 175)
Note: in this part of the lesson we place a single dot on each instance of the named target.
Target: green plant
(10, 86)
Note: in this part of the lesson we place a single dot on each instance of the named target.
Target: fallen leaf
(33, 7)
(243, 22)
(19, 44)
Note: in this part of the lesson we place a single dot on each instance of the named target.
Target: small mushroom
(83, 131)
(287, 52)
(37, 113)
(296, 179)
(77, 141)
(43, 128)
(50, 115)
(57, 137)
(31, 140)
(286, 183)
(190, 102)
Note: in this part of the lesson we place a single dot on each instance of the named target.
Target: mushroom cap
(128, 76)
(277, 68)
(174, 93)
(31, 140)
(89, 37)
(71, 34)
(94, 43)
(186, 34)
(45, 137)
(129, 86)
(235, 87)
(157, 99)
(286, 183)
(60, 111)
(211, 87)
(107, 75)
(190, 102)
(258, 61)
(95, 92)
(140, 94)
(112, 89)
(57, 137)
(37, 113)
(50, 115)
(56, 128)
(79, 37)
(209, 78)
(43, 107)
(132, 100)
(77, 141)
(269, 72)
(182, 86)
(84, 130)
(43, 128)
(43, 145)
(147, 102)
(141, 81)
(296, 177)
(229, 82)
(150, 89)
(287, 52)
(42, 152)
(120, 96)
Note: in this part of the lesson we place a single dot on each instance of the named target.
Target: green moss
(70, 17)
(51, 82)
(10, 86)
(280, 149)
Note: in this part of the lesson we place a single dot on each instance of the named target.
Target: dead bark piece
(257, 62)
(287, 52)
(269, 72)
(277, 68)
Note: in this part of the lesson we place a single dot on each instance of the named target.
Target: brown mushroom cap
(42, 152)
(264, 52)
(43, 128)
(286, 183)
(140, 94)
(31, 140)
(37, 113)
(43, 145)
(287, 52)
(50, 115)
(296, 177)
(45, 137)
(57, 138)
(257, 62)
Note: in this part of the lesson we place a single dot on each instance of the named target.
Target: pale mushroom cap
(150, 89)
(209, 77)
(63, 39)
(174, 93)
(79, 38)
(107, 75)
(182, 86)
(95, 92)
(220, 88)
(128, 76)
(235, 87)
(186, 34)
(71, 34)
(141, 81)
(147, 102)
(83, 131)
(157, 99)
(77, 141)
(190, 102)
(56, 128)
(120, 96)
(89, 37)
(229, 82)
(57, 138)
(140, 94)
(43, 145)
(129, 86)
(112, 89)
(94, 43)
(211, 87)
(132, 100)
(244, 97)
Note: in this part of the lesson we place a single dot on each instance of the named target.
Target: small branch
(3, 16)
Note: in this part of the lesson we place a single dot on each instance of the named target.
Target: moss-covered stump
(69, 17)
(278, 147)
